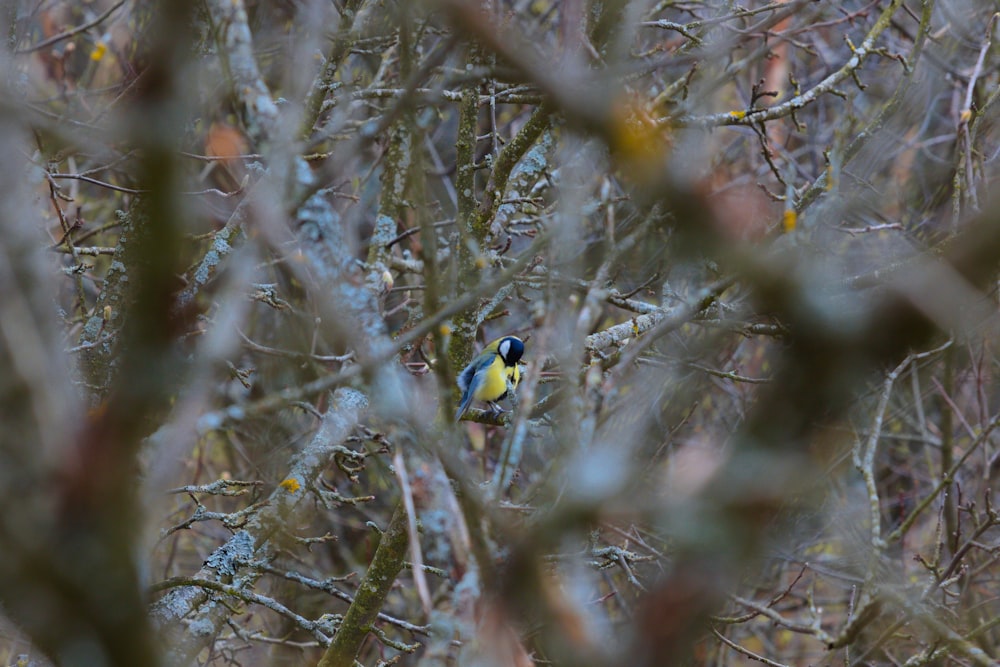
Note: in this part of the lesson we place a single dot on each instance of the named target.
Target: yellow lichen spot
(445, 330)
(291, 485)
(480, 262)
(754, 644)
(539, 7)
(639, 141)
(824, 548)
(98, 411)
(107, 313)
(737, 114)
(635, 326)
(789, 219)
(477, 439)
(784, 638)
(965, 116)
(99, 50)
(387, 280)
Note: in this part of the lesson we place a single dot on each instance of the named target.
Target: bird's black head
(510, 350)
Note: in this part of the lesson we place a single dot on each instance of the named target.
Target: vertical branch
(374, 588)
(338, 50)
(947, 449)
(81, 554)
(864, 461)
(465, 149)
(397, 160)
(236, 46)
(471, 234)
(505, 163)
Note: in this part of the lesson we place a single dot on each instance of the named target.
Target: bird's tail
(463, 406)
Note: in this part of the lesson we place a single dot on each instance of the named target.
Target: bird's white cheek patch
(504, 349)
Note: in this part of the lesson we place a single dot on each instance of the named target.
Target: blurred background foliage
(248, 246)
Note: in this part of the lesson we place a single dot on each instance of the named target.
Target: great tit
(486, 376)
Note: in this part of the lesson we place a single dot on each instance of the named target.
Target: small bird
(486, 377)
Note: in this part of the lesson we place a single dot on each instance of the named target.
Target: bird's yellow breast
(494, 384)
